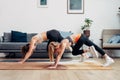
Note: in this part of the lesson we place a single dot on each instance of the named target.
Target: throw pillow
(17, 36)
(7, 37)
(114, 39)
(65, 34)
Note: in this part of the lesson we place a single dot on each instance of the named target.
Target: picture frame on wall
(75, 6)
(42, 3)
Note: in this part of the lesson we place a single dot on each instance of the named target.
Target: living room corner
(30, 17)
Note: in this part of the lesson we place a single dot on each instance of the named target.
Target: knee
(74, 53)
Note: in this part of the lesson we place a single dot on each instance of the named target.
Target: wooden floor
(113, 74)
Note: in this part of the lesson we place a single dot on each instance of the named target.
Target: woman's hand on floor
(52, 67)
(21, 62)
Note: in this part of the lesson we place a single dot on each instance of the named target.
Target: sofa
(111, 39)
(13, 48)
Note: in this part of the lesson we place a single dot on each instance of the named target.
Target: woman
(52, 35)
(77, 42)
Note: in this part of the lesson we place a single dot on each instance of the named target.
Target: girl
(77, 41)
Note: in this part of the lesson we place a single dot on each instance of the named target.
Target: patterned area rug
(43, 65)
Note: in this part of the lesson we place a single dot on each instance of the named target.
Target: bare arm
(60, 53)
(30, 51)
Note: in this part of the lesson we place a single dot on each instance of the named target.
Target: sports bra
(77, 37)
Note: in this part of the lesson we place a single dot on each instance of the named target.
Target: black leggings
(84, 40)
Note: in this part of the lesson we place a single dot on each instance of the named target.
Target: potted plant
(86, 27)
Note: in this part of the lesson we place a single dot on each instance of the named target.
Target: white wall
(24, 15)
